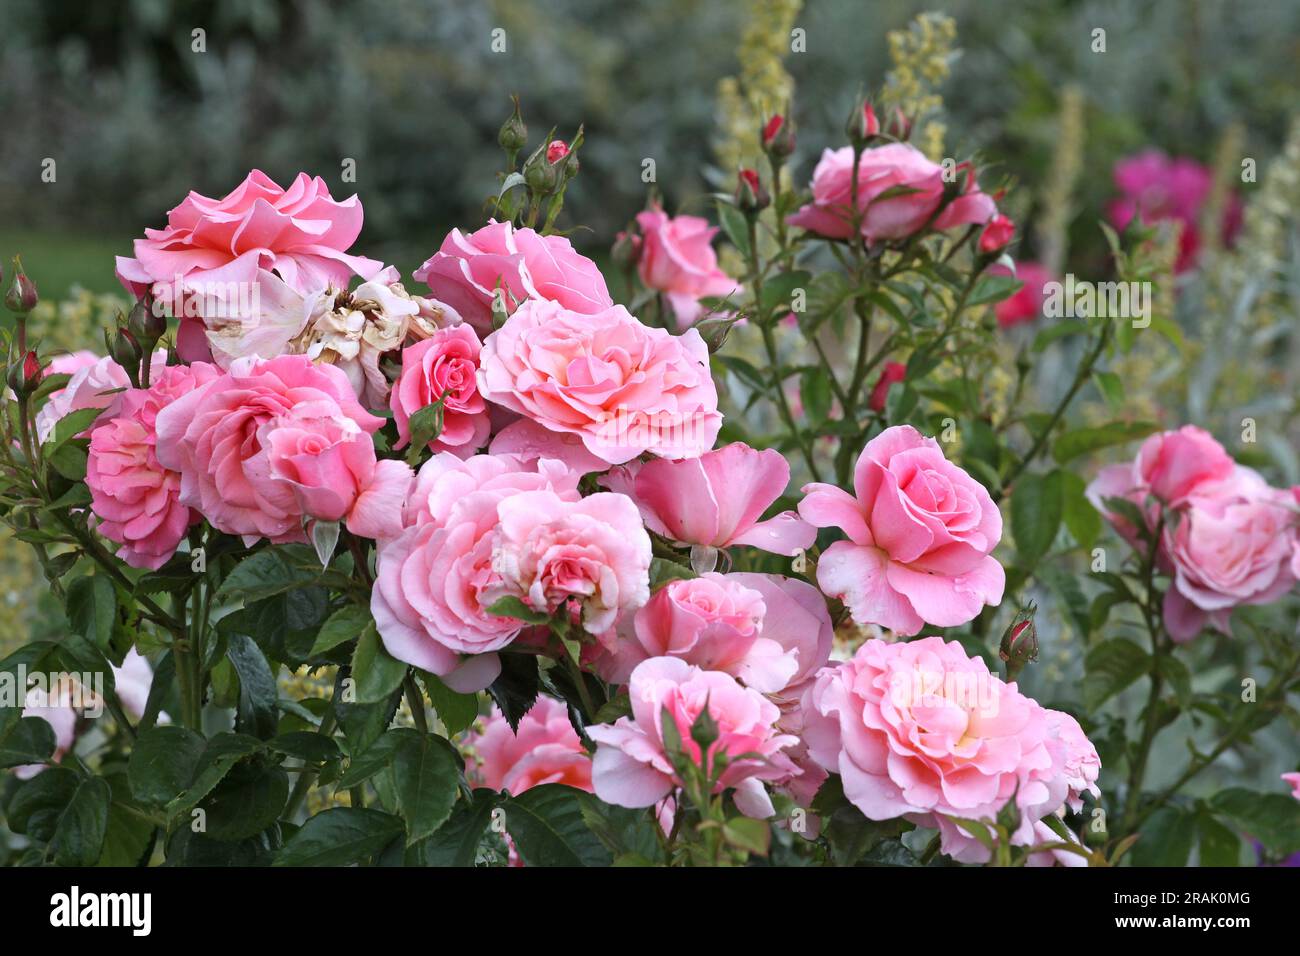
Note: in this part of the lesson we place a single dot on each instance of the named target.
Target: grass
(58, 261)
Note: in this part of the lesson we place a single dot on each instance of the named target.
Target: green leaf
(815, 393)
(375, 758)
(511, 606)
(308, 746)
(29, 740)
(343, 625)
(38, 804)
(1081, 518)
(1111, 387)
(662, 571)
(1166, 839)
(456, 842)
(548, 828)
(340, 836)
(1083, 440)
(220, 756)
(733, 224)
(624, 831)
(265, 574)
(778, 291)
(515, 690)
(78, 836)
(1110, 667)
(71, 425)
(258, 713)
(1271, 818)
(130, 834)
(1219, 846)
(752, 836)
(376, 674)
(246, 802)
(163, 762)
(1037, 503)
(456, 711)
(69, 460)
(994, 288)
(427, 778)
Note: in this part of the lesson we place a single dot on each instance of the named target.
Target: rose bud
(892, 372)
(898, 126)
(24, 376)
(146, 322)
(21, 297)
(627, 249)
(862, 126)
(1019, 642)
(997, 234)
(513, 135)
(750, 196)
(540, 174)
(556, 151)
(126, 352)
(777, 137)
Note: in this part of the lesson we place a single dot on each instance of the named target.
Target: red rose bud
(898, 126)
(893, 372)
(751, 197)
(21, 297)
(1019, 642)
(778, 137)
(24, 376)
(997, 234)
(863, 126)
(556, 151)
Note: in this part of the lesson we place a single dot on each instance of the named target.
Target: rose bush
(748, 565)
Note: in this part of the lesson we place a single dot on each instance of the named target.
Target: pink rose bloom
(1294, 780)
(54, 706)
(1080, 766)
(1231, 545)
(716, 499)
(69, 362)
(93, 385)
(1027, 303)
(546, 749)
(1171, 466)
(445, 479)
(592, 554)
(677, 259)
(919, 729)
(269, 443)
(135, 499)
(445, 364)
(920, 536)
(1162, 188)
(915, 191)
(529, 441)
(219, 250)
(631, 767)
(620, 386)
(468, 269)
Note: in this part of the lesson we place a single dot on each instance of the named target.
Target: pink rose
(1171, 466)
(592, 554)
(545, 749)
(93, 385)
(445, 364)
(445, 479)
(716, 499)
(529, 441)
(468, 269)
(631, 767)
(1231, 545)
(1294, 780)
(1027, 303)
(135, 499)
(269, 443)
(1080, 766)
(899, 192)
(1163, 188)
(620, 386)
(220, 250)
(55, 707)
(919, 729)
(676, 258)
(67, 363)
(921, 532)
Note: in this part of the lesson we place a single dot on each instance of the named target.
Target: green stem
(415, 700)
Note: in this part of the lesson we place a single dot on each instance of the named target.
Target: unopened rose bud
(25, 375)
(21, 297)
(126, 352)
(540, 174)
(750, 196)
(778, 137)
(898, 126)
(997, 235)
(145, 322)
(556, 151)
(513, 135)
(1019, 642)
(862, 127)
(626, 250)
(715, 329)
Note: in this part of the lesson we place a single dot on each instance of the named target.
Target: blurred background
(133, 117)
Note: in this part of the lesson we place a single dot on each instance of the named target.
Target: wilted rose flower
(468, 269)
(620, 386)
(921, 532)
(899, 192)
(631, 767)
(677, 259)
(216, 252)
